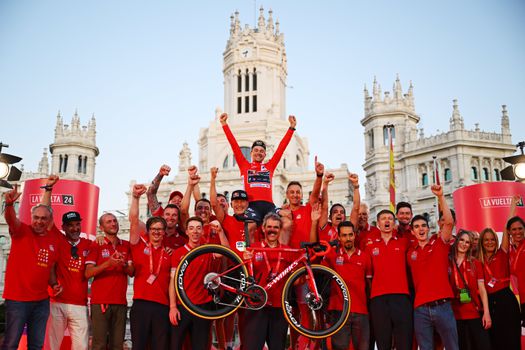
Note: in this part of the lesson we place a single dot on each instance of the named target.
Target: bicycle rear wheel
(309, 316)
(208, 281)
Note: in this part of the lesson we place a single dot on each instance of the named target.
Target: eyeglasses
(154, 229)
(74, 252)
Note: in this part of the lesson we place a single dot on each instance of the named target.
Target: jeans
(356, 328)
(20, 313)
(439, 318)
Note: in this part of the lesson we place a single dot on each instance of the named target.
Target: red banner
(487, 205)
(67, 195)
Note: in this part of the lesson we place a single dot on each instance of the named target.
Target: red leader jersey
(268, 264)
(472, 273)
(257, 177)
(149, 261)
(497, 272)
(109, 286)
(517, 267)
(367, 236)
(234, 230)
(70, 270)
(29, 264)
(429, 266)
(389, 266)
(196, 271)
(302, 224)
(354, 270)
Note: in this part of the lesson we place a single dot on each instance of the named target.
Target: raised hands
(51, 180)
(291, 119)
(164, 170)
(224, 118)
(11, 196)
(437, 190)
(213, 172)
(193, 177)
(328, 178)
(354, 179)
(139, 190)
(319, 167)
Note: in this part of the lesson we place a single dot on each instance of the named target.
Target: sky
(151, 72)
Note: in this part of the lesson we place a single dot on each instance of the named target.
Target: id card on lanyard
(153, 276)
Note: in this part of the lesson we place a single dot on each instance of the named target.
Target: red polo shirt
(109, 286)
(174, 241)
(146, 265)
(71, 272)
(367, 236)
(517, 267)
(302, 224)
(234, 230)
(389, 266)
(429, 266)
(497, 270)
(328, 232)
(354, 270)
(194, 275)
(29, 264)
(472, 273)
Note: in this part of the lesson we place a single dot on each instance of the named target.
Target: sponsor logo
(180, 278)
(343, 287)
(498, 202)
(56, 199)
(282, 274)
(292, 319)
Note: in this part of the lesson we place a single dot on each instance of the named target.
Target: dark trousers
(150, 327)
(391, 315)
(108, 326)
(267, 325)
(506, 325)
(472, 335)
(20, 313)
(262, 207)
(198, 329)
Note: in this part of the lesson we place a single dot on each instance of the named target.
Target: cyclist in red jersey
(257, 176)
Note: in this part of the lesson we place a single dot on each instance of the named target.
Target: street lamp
(8, 172)
(515, 171)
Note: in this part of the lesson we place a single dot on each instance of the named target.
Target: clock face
(246, 52)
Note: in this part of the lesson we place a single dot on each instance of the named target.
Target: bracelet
(292, 128)
(356, 187)
(319, 175)
(47, 187)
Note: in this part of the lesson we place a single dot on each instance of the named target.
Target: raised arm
(153, 202)
(316, 190)
(448, 221)
(10, 214)
(193, 179)
(215, 225)
(135, 226)
(272, 163)
(237, 153)
(315, 216)
(217, 209)
(354, 214)
(505, 240)
(328, 178)
(48, 188)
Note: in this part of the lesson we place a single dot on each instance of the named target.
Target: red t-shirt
(70, 272)
(197, 270)
(274, 261)
(157, 291)
(234, 230)
(367, 236)
(175, 241)
(29, 264)
(429, 266)
(328, 232)
(354, 270)
(517, 267)
(209, 236)
(472, 273)
(389, 266)
(497, 270)
(109, 286)
(302, 224)
(257, 177)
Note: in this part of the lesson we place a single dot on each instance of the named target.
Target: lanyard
(456, 270)
(518, 252)
(151, 260)
(107, 241)
(277, 266)
(489, 271)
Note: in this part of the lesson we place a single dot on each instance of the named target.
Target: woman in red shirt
(468, 284)
(504, 308)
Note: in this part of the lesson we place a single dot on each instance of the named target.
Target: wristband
(319, 175)
(292, 128)
(6, 204)
(356, 187)
(47, 187)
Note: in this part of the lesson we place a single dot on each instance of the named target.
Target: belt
(436, 302)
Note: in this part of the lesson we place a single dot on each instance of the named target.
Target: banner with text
(487, 205)
(67, 195)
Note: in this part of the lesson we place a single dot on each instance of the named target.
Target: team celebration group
(408, 288)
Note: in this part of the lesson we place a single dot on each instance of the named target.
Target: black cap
(259, 143)
(239, 194)
(71, 216)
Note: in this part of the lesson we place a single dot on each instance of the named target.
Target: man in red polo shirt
(390, 306)
(355, 267)
(256, 175)
(429, 264)
(366, 233)
(110, 264)
(33, 254)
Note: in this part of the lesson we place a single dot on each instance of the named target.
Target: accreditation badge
(375, 251)
(151, 279)
(339, 260)
(413, 256)
(240, 245)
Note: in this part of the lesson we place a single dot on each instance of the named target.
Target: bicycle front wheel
(309, 315)
(208, 281)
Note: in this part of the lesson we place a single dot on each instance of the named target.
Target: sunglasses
(74, 252)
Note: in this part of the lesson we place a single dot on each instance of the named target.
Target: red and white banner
(487, 205)
(67, 195)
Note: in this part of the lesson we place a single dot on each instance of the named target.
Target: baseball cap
(175, 193)
(71, 216)
(239, 194)
(259, 143)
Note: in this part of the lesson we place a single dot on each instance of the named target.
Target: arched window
(385, 135)
(84, 169)
(225, 163)
(64, 164)
(254, 103)
(284, 163)
(485, 174)
(496, 175)
(424, 179)
(247, 81)
(239, 81)
(60, 162)
(448, 175)
(79, 165)
(239, 105)
(254, 80)
(297, 160)
(474, 173)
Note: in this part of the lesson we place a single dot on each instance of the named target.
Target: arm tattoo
(153, 202)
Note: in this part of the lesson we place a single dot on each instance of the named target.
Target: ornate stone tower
(74, 149)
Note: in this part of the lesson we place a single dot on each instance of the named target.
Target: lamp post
(8, 172)
(515, 171)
